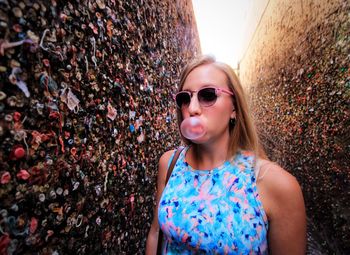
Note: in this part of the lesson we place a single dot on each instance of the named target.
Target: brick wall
(86, 110)
(296, 72)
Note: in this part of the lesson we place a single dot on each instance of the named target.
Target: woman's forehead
(206, 75)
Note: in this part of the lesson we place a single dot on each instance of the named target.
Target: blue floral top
(214, 211)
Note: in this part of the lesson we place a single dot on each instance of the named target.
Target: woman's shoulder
(168, 155)
(279, 190)
(270, 171)
(163, 165)
(164, 158)
(279, 182)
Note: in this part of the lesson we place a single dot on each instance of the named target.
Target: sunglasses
(206, 96)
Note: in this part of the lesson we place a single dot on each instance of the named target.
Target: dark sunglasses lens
(207, 96)
(182, 99)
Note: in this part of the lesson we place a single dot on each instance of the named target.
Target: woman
(224, 196)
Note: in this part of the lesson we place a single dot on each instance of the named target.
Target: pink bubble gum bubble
(192, 128)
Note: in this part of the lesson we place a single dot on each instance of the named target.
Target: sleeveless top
(214, 211)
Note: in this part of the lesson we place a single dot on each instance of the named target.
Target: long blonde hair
(243, 134)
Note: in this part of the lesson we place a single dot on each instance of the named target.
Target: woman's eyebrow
(203, 87)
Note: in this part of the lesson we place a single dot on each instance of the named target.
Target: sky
(225, 27)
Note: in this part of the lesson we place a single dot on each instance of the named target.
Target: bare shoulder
(277, 179)
(166, 155)
(283, 203)
(164, 159)
(280, 189)
(163, 164)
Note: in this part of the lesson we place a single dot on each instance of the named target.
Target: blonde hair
(243, 134)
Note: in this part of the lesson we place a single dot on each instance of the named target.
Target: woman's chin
(199, 140)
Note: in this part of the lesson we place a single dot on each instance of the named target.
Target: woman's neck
(208, 156)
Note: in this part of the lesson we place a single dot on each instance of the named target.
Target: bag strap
(170, 170)
(172, 164)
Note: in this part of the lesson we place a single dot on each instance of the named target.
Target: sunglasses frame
(218, 92)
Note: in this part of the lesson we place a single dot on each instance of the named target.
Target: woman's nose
(194, 108)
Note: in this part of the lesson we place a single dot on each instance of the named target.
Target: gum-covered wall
(296, 71)
(85, 112)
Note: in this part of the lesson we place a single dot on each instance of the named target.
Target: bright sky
(226, 26)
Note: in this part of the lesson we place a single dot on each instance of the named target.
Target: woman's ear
(233, 114)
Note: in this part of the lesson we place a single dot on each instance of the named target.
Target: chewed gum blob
(192, 128)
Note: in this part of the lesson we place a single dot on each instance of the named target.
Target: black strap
(170, 170)
(172, 164)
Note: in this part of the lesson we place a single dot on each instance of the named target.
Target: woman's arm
(152, 238)
(284, 204)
